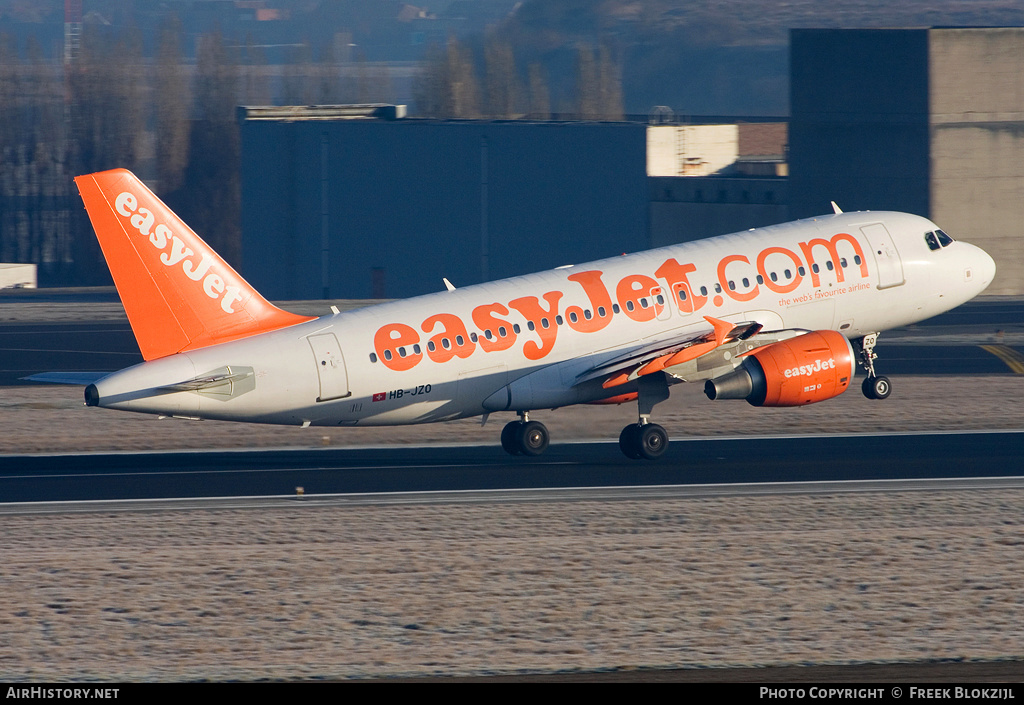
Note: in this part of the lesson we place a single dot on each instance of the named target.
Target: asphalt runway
(37, 478)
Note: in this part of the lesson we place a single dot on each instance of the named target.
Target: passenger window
(516, 328)
(373, 357)
(573, 317)
(601, 312)
(703, 291)
(829, 266)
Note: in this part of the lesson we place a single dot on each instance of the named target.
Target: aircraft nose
(980, 268)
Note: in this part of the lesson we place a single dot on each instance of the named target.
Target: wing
(654, 356)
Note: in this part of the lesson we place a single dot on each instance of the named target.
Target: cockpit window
(937, 240)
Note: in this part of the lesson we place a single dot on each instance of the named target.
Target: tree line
(457, 81)
(118, 103)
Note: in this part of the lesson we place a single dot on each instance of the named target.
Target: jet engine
(808, 368)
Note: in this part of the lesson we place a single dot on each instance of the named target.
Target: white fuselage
(485, 348)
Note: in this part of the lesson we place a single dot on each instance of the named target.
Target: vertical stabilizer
(178, 293)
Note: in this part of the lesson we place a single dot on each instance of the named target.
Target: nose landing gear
(873, 386)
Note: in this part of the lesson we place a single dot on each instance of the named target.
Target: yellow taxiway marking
(1013, 359)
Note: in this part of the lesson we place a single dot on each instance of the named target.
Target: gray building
(929, 121)
(356, 207)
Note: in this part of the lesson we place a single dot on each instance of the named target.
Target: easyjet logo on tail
(176, 253)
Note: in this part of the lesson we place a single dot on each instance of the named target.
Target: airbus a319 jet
(776, 316)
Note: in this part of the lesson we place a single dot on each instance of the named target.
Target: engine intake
(802, 370)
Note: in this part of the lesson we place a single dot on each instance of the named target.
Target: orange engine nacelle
(802, 370)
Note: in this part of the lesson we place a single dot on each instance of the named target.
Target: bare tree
(588, 87)
(447, 87)
(256, 82)
(172, 102)
(213, 200)
(540, 96)
(610, 84)
(503, 86)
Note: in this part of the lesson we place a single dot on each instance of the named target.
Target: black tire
(653, 441)
(510, 437)
(629, 441)
(881, 387)
(868, 387)
(533, 438)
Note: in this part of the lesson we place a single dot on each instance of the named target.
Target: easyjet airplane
(766, 315)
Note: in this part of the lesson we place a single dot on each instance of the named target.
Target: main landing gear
(524, 437)
(644, 439)
(873, 386)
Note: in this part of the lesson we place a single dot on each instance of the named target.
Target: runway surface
(453, 468)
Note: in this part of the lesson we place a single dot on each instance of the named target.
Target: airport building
(359, 201)
(355, 202)
(929, 121)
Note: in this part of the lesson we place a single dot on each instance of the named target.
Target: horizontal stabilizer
(79, 378)
(224, 383)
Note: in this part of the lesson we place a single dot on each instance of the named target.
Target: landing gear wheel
(653, 441)
(876, 387)
(533, 438)
(510, 437)
(629, 441)
(648, 441)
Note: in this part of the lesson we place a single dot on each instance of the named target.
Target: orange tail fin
(178, 293)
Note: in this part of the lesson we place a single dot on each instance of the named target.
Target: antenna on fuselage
(836, 209)
(447, 284)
